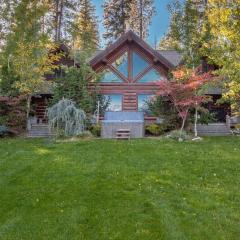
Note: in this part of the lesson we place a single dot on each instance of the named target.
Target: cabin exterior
(130, 70)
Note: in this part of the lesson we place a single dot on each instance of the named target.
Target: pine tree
(141, 14)
(116, 18)
(168, 43)
(85, 35)
(185, 29)
(59, 19)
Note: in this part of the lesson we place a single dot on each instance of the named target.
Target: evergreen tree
(185, 30)
(168, 43)
(141, 14)
(59, 19)
(75, 85)
(116, 18)
(85, 35)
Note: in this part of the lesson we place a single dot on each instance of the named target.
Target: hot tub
(114, 121)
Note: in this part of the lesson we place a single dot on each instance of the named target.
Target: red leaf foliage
(182, 90)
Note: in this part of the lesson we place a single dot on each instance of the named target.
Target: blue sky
(159, 24)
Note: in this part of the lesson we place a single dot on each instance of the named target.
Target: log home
(130, 69)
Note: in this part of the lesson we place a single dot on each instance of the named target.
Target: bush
(176, 135)
(155, 129)
(13, 113)
(66, 118)
(161, 108)
(96, 130)
(3, 131)
(237, 126)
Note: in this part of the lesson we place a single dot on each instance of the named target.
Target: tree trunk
(141, 19)
(182, 127)
(195, 122)
(56, 20)
(28, 108)
(60, 20)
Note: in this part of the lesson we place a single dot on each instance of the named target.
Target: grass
(150, 189)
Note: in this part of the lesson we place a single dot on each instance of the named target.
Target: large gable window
(131, 66)
(139, 64)
(151, 76)
(110, 77)
(121, 64)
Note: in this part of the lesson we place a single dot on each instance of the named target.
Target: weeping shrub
(66, 118)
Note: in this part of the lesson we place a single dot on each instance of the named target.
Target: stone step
(40, 125)
(213, 129)
(213, 134)
(40, 136)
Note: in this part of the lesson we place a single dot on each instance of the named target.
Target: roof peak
(128, 37)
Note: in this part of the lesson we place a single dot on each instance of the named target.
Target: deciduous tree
(27, 51)
(222, 47)
(183, 92)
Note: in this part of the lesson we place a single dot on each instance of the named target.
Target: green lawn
(98, 189)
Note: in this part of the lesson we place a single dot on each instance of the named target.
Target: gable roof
(173, 56)
(167, 59)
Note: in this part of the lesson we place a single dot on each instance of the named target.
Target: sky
(160, 21)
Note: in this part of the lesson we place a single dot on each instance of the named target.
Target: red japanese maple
(183, 91)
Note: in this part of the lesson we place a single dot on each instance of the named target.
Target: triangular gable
(130, 37)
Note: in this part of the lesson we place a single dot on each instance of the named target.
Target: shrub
(3, 130)
(178, 135)
(96, 130)
(13, 113)
(66, 118)
(237, 126)
(161, 108)
(155, 129)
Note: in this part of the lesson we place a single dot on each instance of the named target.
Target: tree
(80, 85)
(66, 118)
(59, 18)
(141, 15)
(222, 47)
(6, 12)
(116, 17)
(27, 50)
(85, 28)
(186, 29)
(13, 113)
(168, 43)
(182, 91)
(119, 15)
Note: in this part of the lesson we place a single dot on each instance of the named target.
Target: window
(143, 100)
(121, 64)
(151, 76)
(115, 102)
(139, 64)
(110, 77)
(121, 69)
